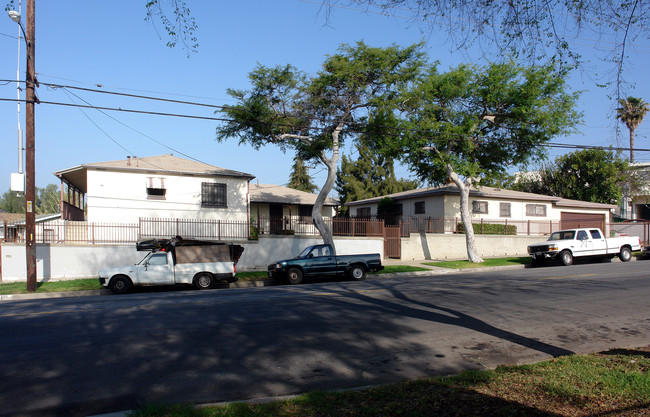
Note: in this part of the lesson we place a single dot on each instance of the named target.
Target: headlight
(552, 247)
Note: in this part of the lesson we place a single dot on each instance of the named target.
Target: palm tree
(632, 111)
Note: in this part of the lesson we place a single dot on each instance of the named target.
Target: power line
(399, 130)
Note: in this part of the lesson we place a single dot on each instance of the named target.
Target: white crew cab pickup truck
(564, 245)
(175, 261)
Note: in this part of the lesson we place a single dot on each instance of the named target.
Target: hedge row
(489, 229)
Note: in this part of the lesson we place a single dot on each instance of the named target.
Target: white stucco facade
(121, 197)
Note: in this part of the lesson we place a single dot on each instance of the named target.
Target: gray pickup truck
(320, 261)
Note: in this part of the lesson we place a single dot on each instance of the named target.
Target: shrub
(489, 229)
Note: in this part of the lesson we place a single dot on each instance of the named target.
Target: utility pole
(30, 169)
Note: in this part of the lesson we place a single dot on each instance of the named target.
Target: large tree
(370, 175)
(474, 122)
(594, 175)
(632, 111)
(316, 114)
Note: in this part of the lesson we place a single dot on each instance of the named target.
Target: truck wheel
(203, 281)
(357, 273)
(566, 257)
(294, 276)
(120, 284)
(625, 255)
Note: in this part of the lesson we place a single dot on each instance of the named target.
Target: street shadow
(104, 354)
(443, 315)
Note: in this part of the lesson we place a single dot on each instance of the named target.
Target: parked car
(565, 245)
(175, 261)
(320, 260)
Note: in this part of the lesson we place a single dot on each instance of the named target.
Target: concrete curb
(431, 270)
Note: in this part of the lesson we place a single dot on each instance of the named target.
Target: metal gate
(392, 242)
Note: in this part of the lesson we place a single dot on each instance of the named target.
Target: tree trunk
(317, 211)
(470, 241)
(631, 145)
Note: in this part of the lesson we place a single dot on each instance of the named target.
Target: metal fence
(77, 232)
(521, 227)
(301, 225)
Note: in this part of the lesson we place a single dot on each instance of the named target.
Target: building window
(213, 195)
(363, 212)
(479, 207)
(156, 188)
(419, 207)
(305, 211)
(536, 210)
(504, 209)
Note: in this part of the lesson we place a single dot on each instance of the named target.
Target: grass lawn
(614, 383)
(523, 260)
(93, 283)
(54, 286)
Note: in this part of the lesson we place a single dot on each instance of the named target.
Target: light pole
(30, 171)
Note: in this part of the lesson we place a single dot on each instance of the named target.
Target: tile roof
(485, 192)
(166, 163)
(162, 164)
(266, 193)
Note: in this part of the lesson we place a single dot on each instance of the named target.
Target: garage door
(575, 220)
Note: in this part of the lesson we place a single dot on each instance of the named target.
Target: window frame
(505, 205)
(214, 194)
(419, 207)
(531, 210)
(480, 207)
(156, 188)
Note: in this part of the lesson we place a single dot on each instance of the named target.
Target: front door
(275, 213)
(155, 270)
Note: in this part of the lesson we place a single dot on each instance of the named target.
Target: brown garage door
(575, 220)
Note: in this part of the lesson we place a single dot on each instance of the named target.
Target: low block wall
(436, 246)
(57, 262)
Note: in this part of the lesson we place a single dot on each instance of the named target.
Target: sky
(85, 43)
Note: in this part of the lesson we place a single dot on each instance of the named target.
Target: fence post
(481, 226)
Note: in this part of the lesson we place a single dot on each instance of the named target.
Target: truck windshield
(563, 235)
(142, 261)
(305, 252)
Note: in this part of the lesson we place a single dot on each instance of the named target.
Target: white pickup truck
(564, 245)
(175, 261)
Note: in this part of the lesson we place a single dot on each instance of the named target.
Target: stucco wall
(68, 262)
(121, 197)
(437, 246)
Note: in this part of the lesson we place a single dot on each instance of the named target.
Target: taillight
(234, 269)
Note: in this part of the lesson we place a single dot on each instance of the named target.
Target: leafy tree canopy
(473, 122)
(371, 175)
(315, 114)
(47, 201)
(530, 30)
(594, 175)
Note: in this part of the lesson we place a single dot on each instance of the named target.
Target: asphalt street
(88, 355)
